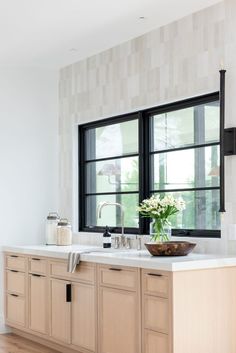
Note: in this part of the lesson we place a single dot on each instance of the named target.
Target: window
(170, 149)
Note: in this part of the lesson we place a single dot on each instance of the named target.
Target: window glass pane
(185, 127)
(111, 214)
(112, 140)
(183, 169)
(113, 175)
(173, 129)
(202, 210)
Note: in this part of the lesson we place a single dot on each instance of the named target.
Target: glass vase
(160, 230)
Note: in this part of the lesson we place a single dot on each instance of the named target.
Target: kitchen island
(121, 300)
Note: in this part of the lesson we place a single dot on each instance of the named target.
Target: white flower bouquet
(160, 210)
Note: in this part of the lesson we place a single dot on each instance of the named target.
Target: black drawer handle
(14, 295)
(115, 269)
(155, 274)
(36, 275)
(14, 256)
(35, 259)
(68, 293)
(14, 271)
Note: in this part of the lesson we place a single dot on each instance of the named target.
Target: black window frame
(144, 153)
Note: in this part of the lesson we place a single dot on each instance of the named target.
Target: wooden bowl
(170, 248)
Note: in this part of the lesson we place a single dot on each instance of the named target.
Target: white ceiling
(45, 33)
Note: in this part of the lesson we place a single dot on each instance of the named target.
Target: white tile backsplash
(170, 63)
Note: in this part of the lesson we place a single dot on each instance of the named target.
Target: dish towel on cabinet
(73, 261)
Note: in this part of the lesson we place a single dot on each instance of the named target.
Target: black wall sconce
(227, 140)
(222, 139)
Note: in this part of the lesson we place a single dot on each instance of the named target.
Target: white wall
(28, 154)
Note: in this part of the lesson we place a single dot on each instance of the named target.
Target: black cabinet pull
(14, 295)
(14, 271)
(35, 259)
(115, 269)
(13, 256)
(155, 274)
(36, 275)
(68, 293)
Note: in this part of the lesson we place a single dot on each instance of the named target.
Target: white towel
(73, 261)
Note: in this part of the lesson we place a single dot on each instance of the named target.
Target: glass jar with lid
(64, 232)
(51, 228)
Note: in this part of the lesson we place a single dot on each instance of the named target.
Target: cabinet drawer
(155, 283)
(84, 272)
(118, 277)
(38, 265)
(155, 342)
(156, 314)
(15, 282)
(15, 310)
(16, 262)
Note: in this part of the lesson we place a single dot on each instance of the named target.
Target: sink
(119, 252)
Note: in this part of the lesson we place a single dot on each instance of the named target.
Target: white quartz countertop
(125, 257)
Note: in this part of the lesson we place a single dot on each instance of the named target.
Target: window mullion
(144, 166)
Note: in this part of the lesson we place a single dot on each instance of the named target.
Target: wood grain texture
(118, 321)
(12, 343)
(83, 316)
(15, 282)
(204, 307)
(38, 295)
(119, 277)
(60, 312)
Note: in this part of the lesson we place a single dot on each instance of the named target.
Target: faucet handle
(128, 243)
(139, 242)
(117, 242)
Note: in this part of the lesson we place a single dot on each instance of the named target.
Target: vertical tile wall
(173, 62)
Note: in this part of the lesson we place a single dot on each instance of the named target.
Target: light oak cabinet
(15, 290)
(83, 316)
(156, 312)
(15, 308)
(15, 282)
(119, 320)
(73, 306)
(38, 308)
(155, 342)
(118, 309)
(60, 310)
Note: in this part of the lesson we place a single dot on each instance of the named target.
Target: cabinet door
(60, 310)
(83, 316)
(118, 321)
(155, 342)
(15, 310)
(38, 303)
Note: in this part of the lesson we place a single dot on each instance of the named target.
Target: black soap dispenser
(107, 238)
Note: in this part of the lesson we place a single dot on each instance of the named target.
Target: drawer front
(118, 277)
(38, 265)
(156, 314)
(155, 283)
(155, 342)
(15, 310)
(16, 262)
(15, 282)
(84, 272)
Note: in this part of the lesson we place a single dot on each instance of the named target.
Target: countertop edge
(122, 260)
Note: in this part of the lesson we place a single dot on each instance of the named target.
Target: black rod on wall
(222, 142)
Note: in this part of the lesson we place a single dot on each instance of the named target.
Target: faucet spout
(107, 203)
